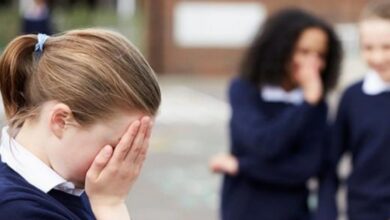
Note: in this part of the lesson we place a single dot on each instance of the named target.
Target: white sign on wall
(205, 24)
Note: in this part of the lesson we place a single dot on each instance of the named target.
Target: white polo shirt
(278, 94)
(373, 84)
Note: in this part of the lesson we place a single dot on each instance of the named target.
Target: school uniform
(277, 138)
(362, 127)
(30, 189)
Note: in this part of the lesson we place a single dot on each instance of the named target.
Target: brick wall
(167, 57)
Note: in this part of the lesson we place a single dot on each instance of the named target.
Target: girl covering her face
(278, 118)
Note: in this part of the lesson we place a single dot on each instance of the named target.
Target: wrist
(110, 211)
(313, 100)
(234, 168)
(313, 97)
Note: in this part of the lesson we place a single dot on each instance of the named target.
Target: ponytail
(16, 67)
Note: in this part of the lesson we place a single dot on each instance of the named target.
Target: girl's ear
(61, 116)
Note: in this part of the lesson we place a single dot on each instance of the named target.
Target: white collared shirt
(278, 94)
(32, 169)
(373, 84)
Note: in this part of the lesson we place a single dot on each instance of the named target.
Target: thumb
(100, 162)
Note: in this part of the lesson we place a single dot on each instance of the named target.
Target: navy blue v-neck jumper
(362, 127)
(21, 200)
(279, 147)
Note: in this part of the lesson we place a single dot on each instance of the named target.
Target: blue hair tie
(41, 41)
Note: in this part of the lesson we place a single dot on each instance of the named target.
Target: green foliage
(79, 16)
(9, 25)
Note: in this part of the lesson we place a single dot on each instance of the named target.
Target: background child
(278, 118)
(79, 108)
(362, 127)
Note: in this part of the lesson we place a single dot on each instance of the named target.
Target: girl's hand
(114, 171)
(308, 76)
(224, 163)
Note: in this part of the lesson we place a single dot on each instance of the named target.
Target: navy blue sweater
(279, 148)
(21, 200)
(362, 127)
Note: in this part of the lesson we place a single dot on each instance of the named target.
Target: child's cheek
(82, 164)
(81, 169)
(86, 165)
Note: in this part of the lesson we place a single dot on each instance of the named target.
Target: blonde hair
(377, 9)
(95, 72)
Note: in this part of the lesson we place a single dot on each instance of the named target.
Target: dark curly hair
(266, 61)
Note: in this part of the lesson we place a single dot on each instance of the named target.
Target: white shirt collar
(32, 169)
(278, 94)
(373, 84)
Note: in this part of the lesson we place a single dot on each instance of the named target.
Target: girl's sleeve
(338, 137)
(293, 169)
(286, 150)
(258, 136)
(27, 209)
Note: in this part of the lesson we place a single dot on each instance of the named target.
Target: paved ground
(176, 183)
